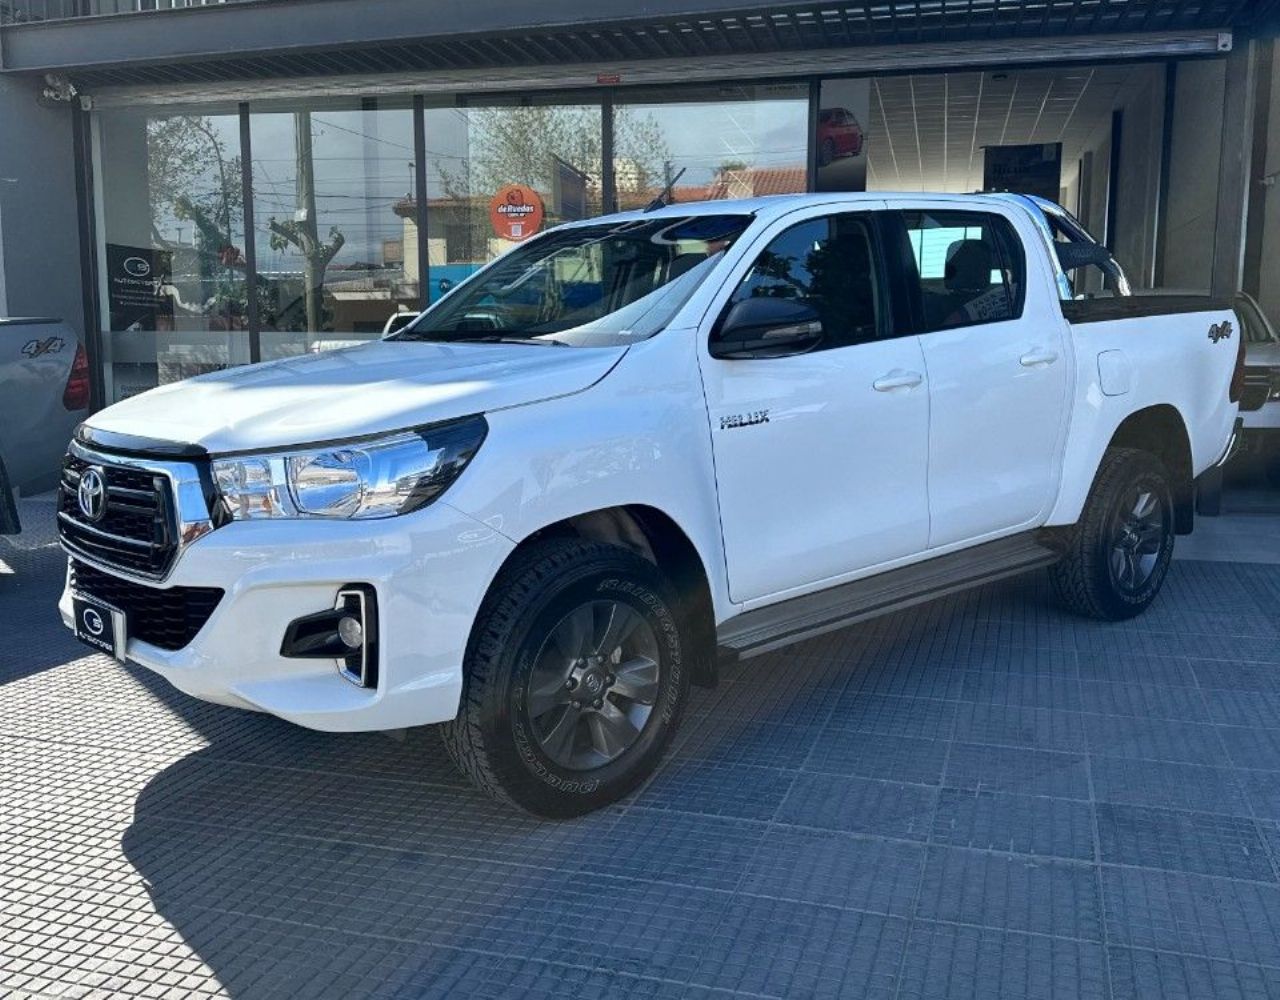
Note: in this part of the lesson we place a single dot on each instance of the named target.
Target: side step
(791, 621)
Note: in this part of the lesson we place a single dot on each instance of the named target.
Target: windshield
(585, 286)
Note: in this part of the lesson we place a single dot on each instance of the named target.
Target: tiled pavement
(978, 798)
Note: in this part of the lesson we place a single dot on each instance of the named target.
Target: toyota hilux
(635, 447)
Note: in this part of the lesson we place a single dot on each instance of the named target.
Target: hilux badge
(92, 495)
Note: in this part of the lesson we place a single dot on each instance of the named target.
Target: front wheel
(574, 680)
(1118, 554)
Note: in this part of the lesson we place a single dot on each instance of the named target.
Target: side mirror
(767, 328)
(398, 321)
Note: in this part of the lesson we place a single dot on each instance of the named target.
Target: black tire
(826, 153)
(1115, 561)
(536, 608)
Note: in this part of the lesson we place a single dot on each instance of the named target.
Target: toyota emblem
(92, 494)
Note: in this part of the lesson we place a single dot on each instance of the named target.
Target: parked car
(1261, 433)
(536, 519)
(44, 393)
(839, 135)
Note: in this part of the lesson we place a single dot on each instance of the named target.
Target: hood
(350, 392)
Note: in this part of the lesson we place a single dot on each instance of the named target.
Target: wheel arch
(1162, 431)
(655, 536)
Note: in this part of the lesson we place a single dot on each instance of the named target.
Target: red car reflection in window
(839, 134)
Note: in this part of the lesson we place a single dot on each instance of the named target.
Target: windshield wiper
(498, 339)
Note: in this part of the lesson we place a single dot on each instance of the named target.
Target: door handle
(897, 379)
(1038, 358)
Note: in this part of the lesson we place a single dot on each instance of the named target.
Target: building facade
(196, 185)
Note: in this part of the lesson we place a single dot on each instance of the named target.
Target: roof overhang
(275, 39)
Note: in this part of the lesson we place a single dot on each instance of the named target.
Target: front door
(999, 373)
(821, 456)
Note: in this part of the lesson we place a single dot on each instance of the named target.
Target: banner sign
(516, 212)
(137, 297)
(841, 138)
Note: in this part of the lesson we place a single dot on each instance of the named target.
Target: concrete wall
(1193, 175)
(39, 225)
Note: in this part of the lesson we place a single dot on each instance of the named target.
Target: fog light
(348, 634)
(351, 632)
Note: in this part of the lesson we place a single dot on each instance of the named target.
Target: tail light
(76, 395)
(1237, 377)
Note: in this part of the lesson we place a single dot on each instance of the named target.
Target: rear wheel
(574, 681)
(1118, 554)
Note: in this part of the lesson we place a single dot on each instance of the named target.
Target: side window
(969, 266)
(829, 265)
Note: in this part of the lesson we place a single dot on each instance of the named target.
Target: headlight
(377, 477)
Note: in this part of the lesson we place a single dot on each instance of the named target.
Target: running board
(782, 624)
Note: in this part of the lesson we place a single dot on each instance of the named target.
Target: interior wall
(1193, 175)
(1269, 290)
(41, 236)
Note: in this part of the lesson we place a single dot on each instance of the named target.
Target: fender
(561, 459)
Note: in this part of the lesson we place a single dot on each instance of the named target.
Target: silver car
(44, 393)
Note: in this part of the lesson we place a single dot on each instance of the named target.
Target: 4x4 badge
(1220, 331)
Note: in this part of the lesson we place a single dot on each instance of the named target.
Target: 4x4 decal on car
(1220, 331)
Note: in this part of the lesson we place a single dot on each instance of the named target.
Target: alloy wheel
(1137, 540)
(594, 684)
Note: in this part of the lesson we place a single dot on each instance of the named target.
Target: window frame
(910, 288)
(887, 314)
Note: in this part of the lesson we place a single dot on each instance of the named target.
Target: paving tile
(1161, 783)
(946, 962)
(976, 767)
(1251, 747)
(1136, 668)
(890, 715)
(1155, 739)
(1052, 691)
(1196, 914)
(1011, 892)
(836, 869)
(1022, 824)
(860, 805)
(1139, 974)
(1153, 701)
(702, 786)
(872, 755)
(786, 949)
(1182, 841)
(1013, 725)
(1233, 707)
(750, 742)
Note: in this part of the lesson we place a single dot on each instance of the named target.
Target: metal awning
(275, 39)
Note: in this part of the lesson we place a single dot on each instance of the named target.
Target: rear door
(999, 369)
(820, 457)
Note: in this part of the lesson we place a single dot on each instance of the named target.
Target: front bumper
(430, 570)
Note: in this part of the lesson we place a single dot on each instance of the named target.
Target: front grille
(168, 618)
(135, 532)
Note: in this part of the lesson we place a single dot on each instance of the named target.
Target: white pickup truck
(634, 446)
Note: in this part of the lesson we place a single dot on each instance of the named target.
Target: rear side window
(829, 264)
(969, 268)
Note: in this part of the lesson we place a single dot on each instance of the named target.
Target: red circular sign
(516, 212)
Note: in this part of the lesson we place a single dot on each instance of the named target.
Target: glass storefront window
(171, 231)
(336, 249)
(499, 173)
(711, 143)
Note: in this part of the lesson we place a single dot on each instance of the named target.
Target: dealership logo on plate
(137, 267)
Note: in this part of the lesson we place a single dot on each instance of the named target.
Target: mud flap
(1209, 492)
